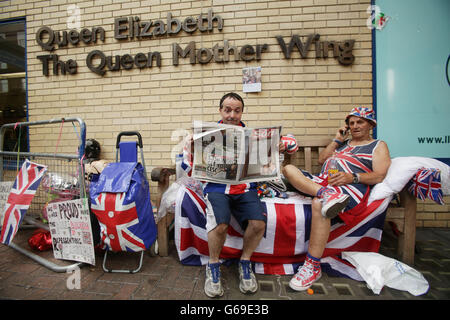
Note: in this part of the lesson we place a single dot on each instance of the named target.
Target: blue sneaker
(247, 278)
(213, 285)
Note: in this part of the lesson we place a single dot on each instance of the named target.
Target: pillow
(402, 169)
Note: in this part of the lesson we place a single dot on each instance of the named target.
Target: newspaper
(234, 155)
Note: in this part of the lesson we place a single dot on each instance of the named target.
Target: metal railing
(64, 178)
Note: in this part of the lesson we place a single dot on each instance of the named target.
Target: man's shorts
(244, 207)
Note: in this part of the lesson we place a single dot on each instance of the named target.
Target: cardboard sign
(70, 227)
(5, 188)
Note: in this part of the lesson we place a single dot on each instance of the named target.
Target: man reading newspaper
(224, 199)
(233, 155)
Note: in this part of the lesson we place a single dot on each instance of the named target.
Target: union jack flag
(19, 199)
(426, 183)
(119, 223)
(284, 245)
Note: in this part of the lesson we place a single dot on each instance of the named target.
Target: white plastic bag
(167, 201)
(378, 271)
(169, 197)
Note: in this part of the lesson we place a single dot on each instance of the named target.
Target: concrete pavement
(165, 278)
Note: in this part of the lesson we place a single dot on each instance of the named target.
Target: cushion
(402, 169)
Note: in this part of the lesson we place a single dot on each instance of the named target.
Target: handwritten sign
(70, 227)
(5, 189)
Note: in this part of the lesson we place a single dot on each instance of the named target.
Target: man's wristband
(340, 143)
(355, 178)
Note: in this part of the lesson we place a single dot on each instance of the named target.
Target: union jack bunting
(426, 183)
(120, 227)
(19, 199)
(284, 245)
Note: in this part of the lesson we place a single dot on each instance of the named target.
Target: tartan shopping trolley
(120, 199)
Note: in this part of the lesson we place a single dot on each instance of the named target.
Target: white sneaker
(213, 286)
(247, 279)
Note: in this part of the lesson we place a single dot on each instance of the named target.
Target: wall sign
(132, 28)
(413, 91)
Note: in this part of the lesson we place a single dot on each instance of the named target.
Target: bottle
(332, 166)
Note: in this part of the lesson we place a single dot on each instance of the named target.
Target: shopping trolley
(120, 199)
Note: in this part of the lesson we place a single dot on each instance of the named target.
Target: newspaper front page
(233, 155)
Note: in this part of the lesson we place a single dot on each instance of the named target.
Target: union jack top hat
(362, 112)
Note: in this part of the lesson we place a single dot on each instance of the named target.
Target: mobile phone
(343, 132)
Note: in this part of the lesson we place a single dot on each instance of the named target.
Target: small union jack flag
(19, 199)
(119, 223)
(427, 184)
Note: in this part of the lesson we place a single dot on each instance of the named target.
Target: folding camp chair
(126, 152)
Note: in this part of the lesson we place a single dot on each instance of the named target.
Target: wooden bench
(403, 214)
(162, 176)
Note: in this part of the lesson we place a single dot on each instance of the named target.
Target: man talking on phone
(361, 162)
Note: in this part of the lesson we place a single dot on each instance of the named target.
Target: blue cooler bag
(120, 199)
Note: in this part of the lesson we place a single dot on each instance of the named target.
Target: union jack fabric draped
(284, 245)
(19, 199)
(426, 183)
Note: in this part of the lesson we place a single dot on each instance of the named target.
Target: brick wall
(309, 97)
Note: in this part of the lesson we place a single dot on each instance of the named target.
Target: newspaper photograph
(234, 155)
(251, 79)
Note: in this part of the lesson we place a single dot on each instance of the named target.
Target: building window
(13, 100)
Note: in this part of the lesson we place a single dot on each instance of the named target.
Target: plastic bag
(378, 271)
(61, 184)
(167, 201)
(169, 197)
(41, 240)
